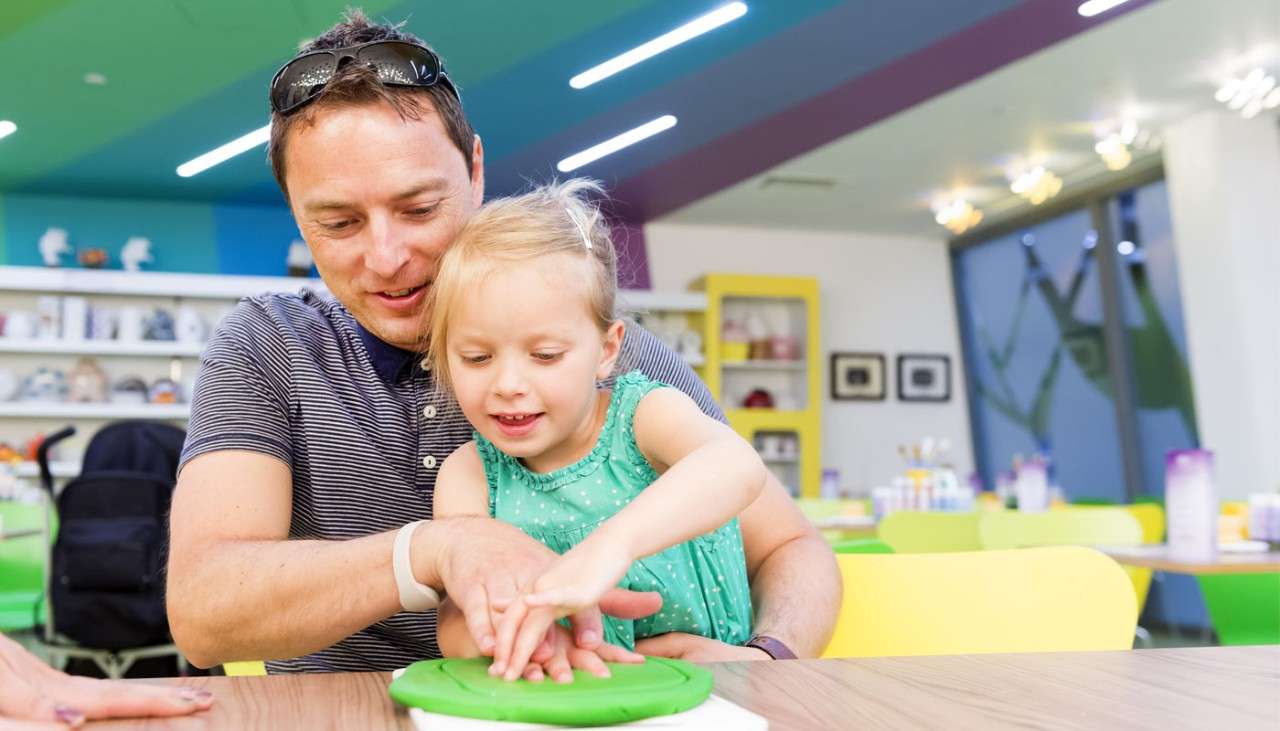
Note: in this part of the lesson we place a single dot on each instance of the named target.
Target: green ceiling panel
(157, 55)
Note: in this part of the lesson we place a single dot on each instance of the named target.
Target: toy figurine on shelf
(165, 391)
(136, 251)
(53, 244)
(760, 346)
(129, 390)
(758, 399)
(733, 342)
(95, 258)
(86, 382)
(159, 326)
(45, 384)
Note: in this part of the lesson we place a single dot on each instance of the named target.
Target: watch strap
(414, 597)
(772, 647)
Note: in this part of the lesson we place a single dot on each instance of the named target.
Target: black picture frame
(857, 376)
(913, 385)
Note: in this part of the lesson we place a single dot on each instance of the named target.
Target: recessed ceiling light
(957, 215)
(613, 144)
(7, 128)
(93, 78)
(664, 42)
(225, 152)
(1037, 185)
(1097, 7)
(1125, 248)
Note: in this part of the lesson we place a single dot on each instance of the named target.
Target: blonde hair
(558, 218)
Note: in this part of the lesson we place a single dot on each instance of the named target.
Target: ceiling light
(1096, 7)
(7, 128)
(1250, 95)
(226, 152)
(664, 42)
(1114, 152)
(1125, 248)
(1036, 185)
(612, 145)
(957, 216)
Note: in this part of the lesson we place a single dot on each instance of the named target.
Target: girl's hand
(566, 656)
(572, 584)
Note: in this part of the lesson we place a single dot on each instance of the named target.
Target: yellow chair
(1074, 526)
(1064, 598)
(909, 531)
(245, 668)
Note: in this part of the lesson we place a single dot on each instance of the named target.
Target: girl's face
(524, 356)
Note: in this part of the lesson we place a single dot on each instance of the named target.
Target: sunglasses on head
(396, 63)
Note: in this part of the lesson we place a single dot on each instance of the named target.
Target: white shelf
(648, 300)
(53, 410)
(147, 284)
(171, 348)
(765, 365)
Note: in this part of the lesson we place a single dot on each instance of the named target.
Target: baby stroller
(105, 576)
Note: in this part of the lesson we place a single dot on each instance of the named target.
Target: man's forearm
(796, 592)
(261, 600)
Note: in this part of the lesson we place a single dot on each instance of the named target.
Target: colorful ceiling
(184, 76)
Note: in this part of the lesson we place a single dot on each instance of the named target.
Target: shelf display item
(733, 342)
(159, 326)
(46, 384)
(760, 345)
(129, 390)
(136, 252)
(75, 318)
(130, 324)
(49, 317)
(165, 391)
(190, 326)
(20, 325)
(9, 384)
(102, 322)
(95, 258)
(87, 382)
(785, 347)
(758, 399)
(53, 244)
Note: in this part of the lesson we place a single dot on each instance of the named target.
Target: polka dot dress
(703, 582)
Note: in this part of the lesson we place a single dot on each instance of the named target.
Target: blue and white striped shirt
(362, 428)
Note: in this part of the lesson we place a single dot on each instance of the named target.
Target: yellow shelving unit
(729, 295)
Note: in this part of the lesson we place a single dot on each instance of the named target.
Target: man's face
(378, 200)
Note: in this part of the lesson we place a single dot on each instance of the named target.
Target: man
(315, 435)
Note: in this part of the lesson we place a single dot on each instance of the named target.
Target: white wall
(879, 293)
(1224, 188)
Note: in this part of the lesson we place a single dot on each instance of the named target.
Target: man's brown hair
(356, 85)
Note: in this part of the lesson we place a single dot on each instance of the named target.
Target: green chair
(1244, 608)
(21, 568)
(861, 545)
(909, 531)
(1099, 526)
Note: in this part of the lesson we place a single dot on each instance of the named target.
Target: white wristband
(414, 597)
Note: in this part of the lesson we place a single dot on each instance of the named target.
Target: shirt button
(424, 364)
(429, 462)
(429, 411)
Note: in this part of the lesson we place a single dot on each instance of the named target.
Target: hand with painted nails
(35, 696)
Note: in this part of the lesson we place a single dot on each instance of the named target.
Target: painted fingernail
(69, 715)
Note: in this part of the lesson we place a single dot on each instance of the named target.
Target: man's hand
(483, 564)
(694, 648)
(574, 584)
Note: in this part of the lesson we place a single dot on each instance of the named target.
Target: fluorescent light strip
(226, 152)
(664, 42)
(1097, 7)
(610, 146)
(7, 128)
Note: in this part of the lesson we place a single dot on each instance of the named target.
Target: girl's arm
(709, 475)
(461, 489)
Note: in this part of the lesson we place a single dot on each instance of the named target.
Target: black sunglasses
(396, 63)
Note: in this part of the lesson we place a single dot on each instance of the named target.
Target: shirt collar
(390, 363)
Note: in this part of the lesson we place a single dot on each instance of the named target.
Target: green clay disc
(658, 687)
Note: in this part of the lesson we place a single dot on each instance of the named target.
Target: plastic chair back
(908, 531)
(1056, 599)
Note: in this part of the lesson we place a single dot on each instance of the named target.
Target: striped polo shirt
(363, 429)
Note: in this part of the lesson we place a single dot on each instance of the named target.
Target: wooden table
(1198, 688)
(1157, 557)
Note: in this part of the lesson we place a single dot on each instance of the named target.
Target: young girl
(635, 486)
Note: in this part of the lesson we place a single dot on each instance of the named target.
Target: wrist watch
(414, 596)
(772, 647)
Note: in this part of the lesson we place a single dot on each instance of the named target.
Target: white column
(1223, 176)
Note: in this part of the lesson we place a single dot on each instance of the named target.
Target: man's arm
(239, 589)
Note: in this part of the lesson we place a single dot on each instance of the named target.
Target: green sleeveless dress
(703, 582)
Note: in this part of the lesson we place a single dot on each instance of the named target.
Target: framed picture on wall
(924, 377)
(857, 377)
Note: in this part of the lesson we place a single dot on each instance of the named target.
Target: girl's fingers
(589, 661)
